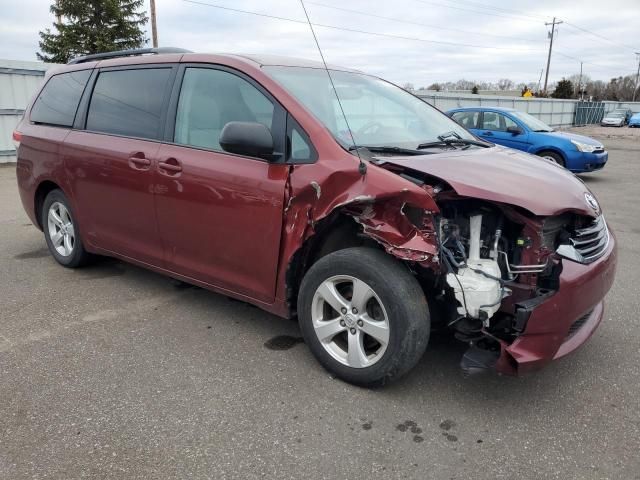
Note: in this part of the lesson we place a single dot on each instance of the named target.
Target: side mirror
(514, 130)
(247, 138)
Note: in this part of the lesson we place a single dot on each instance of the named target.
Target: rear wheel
(61, 231)
(364, 316)
(553, 156)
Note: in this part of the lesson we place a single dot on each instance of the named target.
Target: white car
(613, 119)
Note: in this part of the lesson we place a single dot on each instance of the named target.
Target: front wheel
(364, 316)
(553, 156)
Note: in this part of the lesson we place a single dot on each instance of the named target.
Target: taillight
(17, 138)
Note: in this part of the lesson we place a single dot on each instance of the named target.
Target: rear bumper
(566, 320)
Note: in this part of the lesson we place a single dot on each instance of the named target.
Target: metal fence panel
(18, 82)
(557, 113)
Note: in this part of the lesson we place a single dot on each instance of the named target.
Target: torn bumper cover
(578, 309)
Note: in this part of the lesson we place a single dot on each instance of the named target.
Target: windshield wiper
(543, 130)
(387, 149)
(453, 141)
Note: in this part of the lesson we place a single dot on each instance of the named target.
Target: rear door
(494, 129)
(111, 159)
(219, 214)
(469, 119)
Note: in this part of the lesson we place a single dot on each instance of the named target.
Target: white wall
(18, 83)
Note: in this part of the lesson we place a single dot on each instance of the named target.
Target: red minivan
(328, 195)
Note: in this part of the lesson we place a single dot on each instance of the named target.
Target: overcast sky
(515, 29)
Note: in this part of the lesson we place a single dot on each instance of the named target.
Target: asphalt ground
(116, 372)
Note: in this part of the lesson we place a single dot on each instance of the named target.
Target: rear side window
(209, 99)
(58, 100)
(129, 102)
(466, 119)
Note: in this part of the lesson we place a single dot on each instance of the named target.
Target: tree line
(618, 89)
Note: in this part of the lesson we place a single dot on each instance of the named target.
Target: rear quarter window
(467, 119)
(58, 100)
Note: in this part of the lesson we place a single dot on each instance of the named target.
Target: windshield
(378, 113)
(615, 115)
(532, 122)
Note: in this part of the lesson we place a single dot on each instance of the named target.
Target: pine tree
(564, 89)
(92, 26)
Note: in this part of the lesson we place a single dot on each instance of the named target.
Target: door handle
(170, 166)
(137, 161)
(487, 134)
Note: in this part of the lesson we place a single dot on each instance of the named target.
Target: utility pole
(154, 29)
(637, 77)
(551, 35)
(580, 82)
(540, 79)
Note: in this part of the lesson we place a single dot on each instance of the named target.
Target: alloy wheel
(350, 321)
(61, 229)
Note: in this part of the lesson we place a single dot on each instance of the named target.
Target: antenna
(362, 167)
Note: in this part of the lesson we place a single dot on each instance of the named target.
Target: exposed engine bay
(493, 260)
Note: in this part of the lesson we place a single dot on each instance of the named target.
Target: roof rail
(127, 53)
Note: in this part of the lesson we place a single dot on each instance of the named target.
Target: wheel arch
(43, 189)
(336, 232)
(552, 149)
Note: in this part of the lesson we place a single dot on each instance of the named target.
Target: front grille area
(578, 324)
(587, 243)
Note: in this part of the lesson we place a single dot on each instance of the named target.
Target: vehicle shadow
(592, 179)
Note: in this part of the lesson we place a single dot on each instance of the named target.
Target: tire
(392, 308)
(61, 231)
(553, 156)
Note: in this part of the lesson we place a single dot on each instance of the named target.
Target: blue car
(634, 121)
(519, 130)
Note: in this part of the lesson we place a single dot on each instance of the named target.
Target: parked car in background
(240, 174)
(614, 119)
(625, 111)
(634, 121)
(519, 130)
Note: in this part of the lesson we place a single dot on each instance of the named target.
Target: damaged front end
(491, 270)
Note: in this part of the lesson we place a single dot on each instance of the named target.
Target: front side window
(378, 113)
(129, 102)
(497, 122)
(493, 121)
(58, 100)
(209, 99)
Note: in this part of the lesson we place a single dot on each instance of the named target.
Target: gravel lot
(116, 372)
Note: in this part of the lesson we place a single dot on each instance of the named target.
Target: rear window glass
(58, 100)
(128, 102)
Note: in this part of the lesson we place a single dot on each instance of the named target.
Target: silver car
(613, 119)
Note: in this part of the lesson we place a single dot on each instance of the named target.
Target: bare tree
(505, 84)
(408, 87)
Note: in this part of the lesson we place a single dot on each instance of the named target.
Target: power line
(385, 35)
(597, 35)
(477, 11)
(580, 60)
(364, 32)
(498, 9)
(410, 22)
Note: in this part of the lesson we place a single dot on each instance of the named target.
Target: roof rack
(127, 53)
